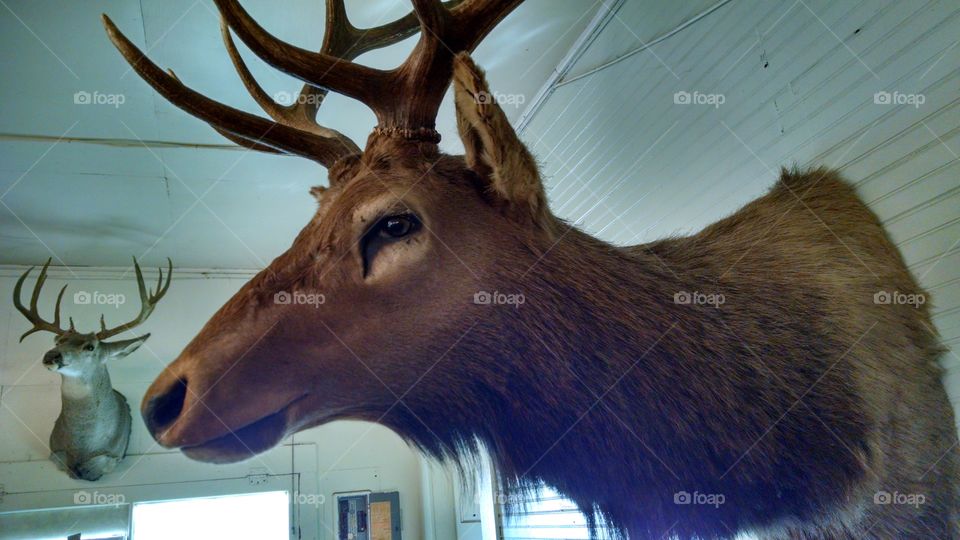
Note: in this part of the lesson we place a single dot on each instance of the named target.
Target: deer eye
(88, 347)
(397, 226)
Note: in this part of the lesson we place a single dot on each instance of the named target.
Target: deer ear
(493, 149)
(119, 349)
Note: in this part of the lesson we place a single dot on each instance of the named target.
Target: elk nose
(163, 408)
(53, 358)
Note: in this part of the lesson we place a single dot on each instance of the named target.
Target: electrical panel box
(353, 518)
(368, 516)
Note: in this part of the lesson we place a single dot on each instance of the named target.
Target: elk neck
(592, 325)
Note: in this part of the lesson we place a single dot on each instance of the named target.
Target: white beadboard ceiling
(211, 206)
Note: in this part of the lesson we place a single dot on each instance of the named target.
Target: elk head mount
(782, 400)
(91, 433)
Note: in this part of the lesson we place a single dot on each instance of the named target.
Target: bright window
(548, 515)
(257, 516)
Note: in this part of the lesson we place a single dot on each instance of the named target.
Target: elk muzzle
(162, 407)
(197, 412)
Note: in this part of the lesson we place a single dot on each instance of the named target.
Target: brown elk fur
(798, 399)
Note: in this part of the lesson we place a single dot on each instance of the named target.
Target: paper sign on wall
(381, 527)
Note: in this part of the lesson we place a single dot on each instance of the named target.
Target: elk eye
(398, 226)
(386, 231)
(88, 347)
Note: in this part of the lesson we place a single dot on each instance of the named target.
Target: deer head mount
(600, 384)
(90, 435)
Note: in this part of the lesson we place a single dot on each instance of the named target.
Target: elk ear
(493, 149)
(119, 349)
(317, 192)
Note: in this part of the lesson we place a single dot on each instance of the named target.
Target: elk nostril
(52, 357)
(163, 409)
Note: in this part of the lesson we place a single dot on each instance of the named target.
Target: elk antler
(341, 39)
(32, 314)
(405, 99)
(147, 301)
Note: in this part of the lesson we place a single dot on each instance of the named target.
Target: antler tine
(247, 143)
(161, 291)
(341, 40)
(254, 129)
(33, 314)
(432, 15)
(474, 19)
(252, 144)
(301, 114)
(148, 300)
(269, 106)
(318, 69)
(390, 33)
(424, 76)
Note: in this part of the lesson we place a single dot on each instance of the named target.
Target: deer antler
(32, 314)
(405, 100)
(148, 300)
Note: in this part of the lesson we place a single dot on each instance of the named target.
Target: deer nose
(162, 409)
(53, 357)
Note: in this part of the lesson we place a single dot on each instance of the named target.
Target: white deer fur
(91, 434)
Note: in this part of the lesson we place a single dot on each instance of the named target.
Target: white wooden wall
(797, 81)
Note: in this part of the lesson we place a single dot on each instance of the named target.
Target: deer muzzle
(53, 360)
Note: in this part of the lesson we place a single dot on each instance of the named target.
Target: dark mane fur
(794, 399)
